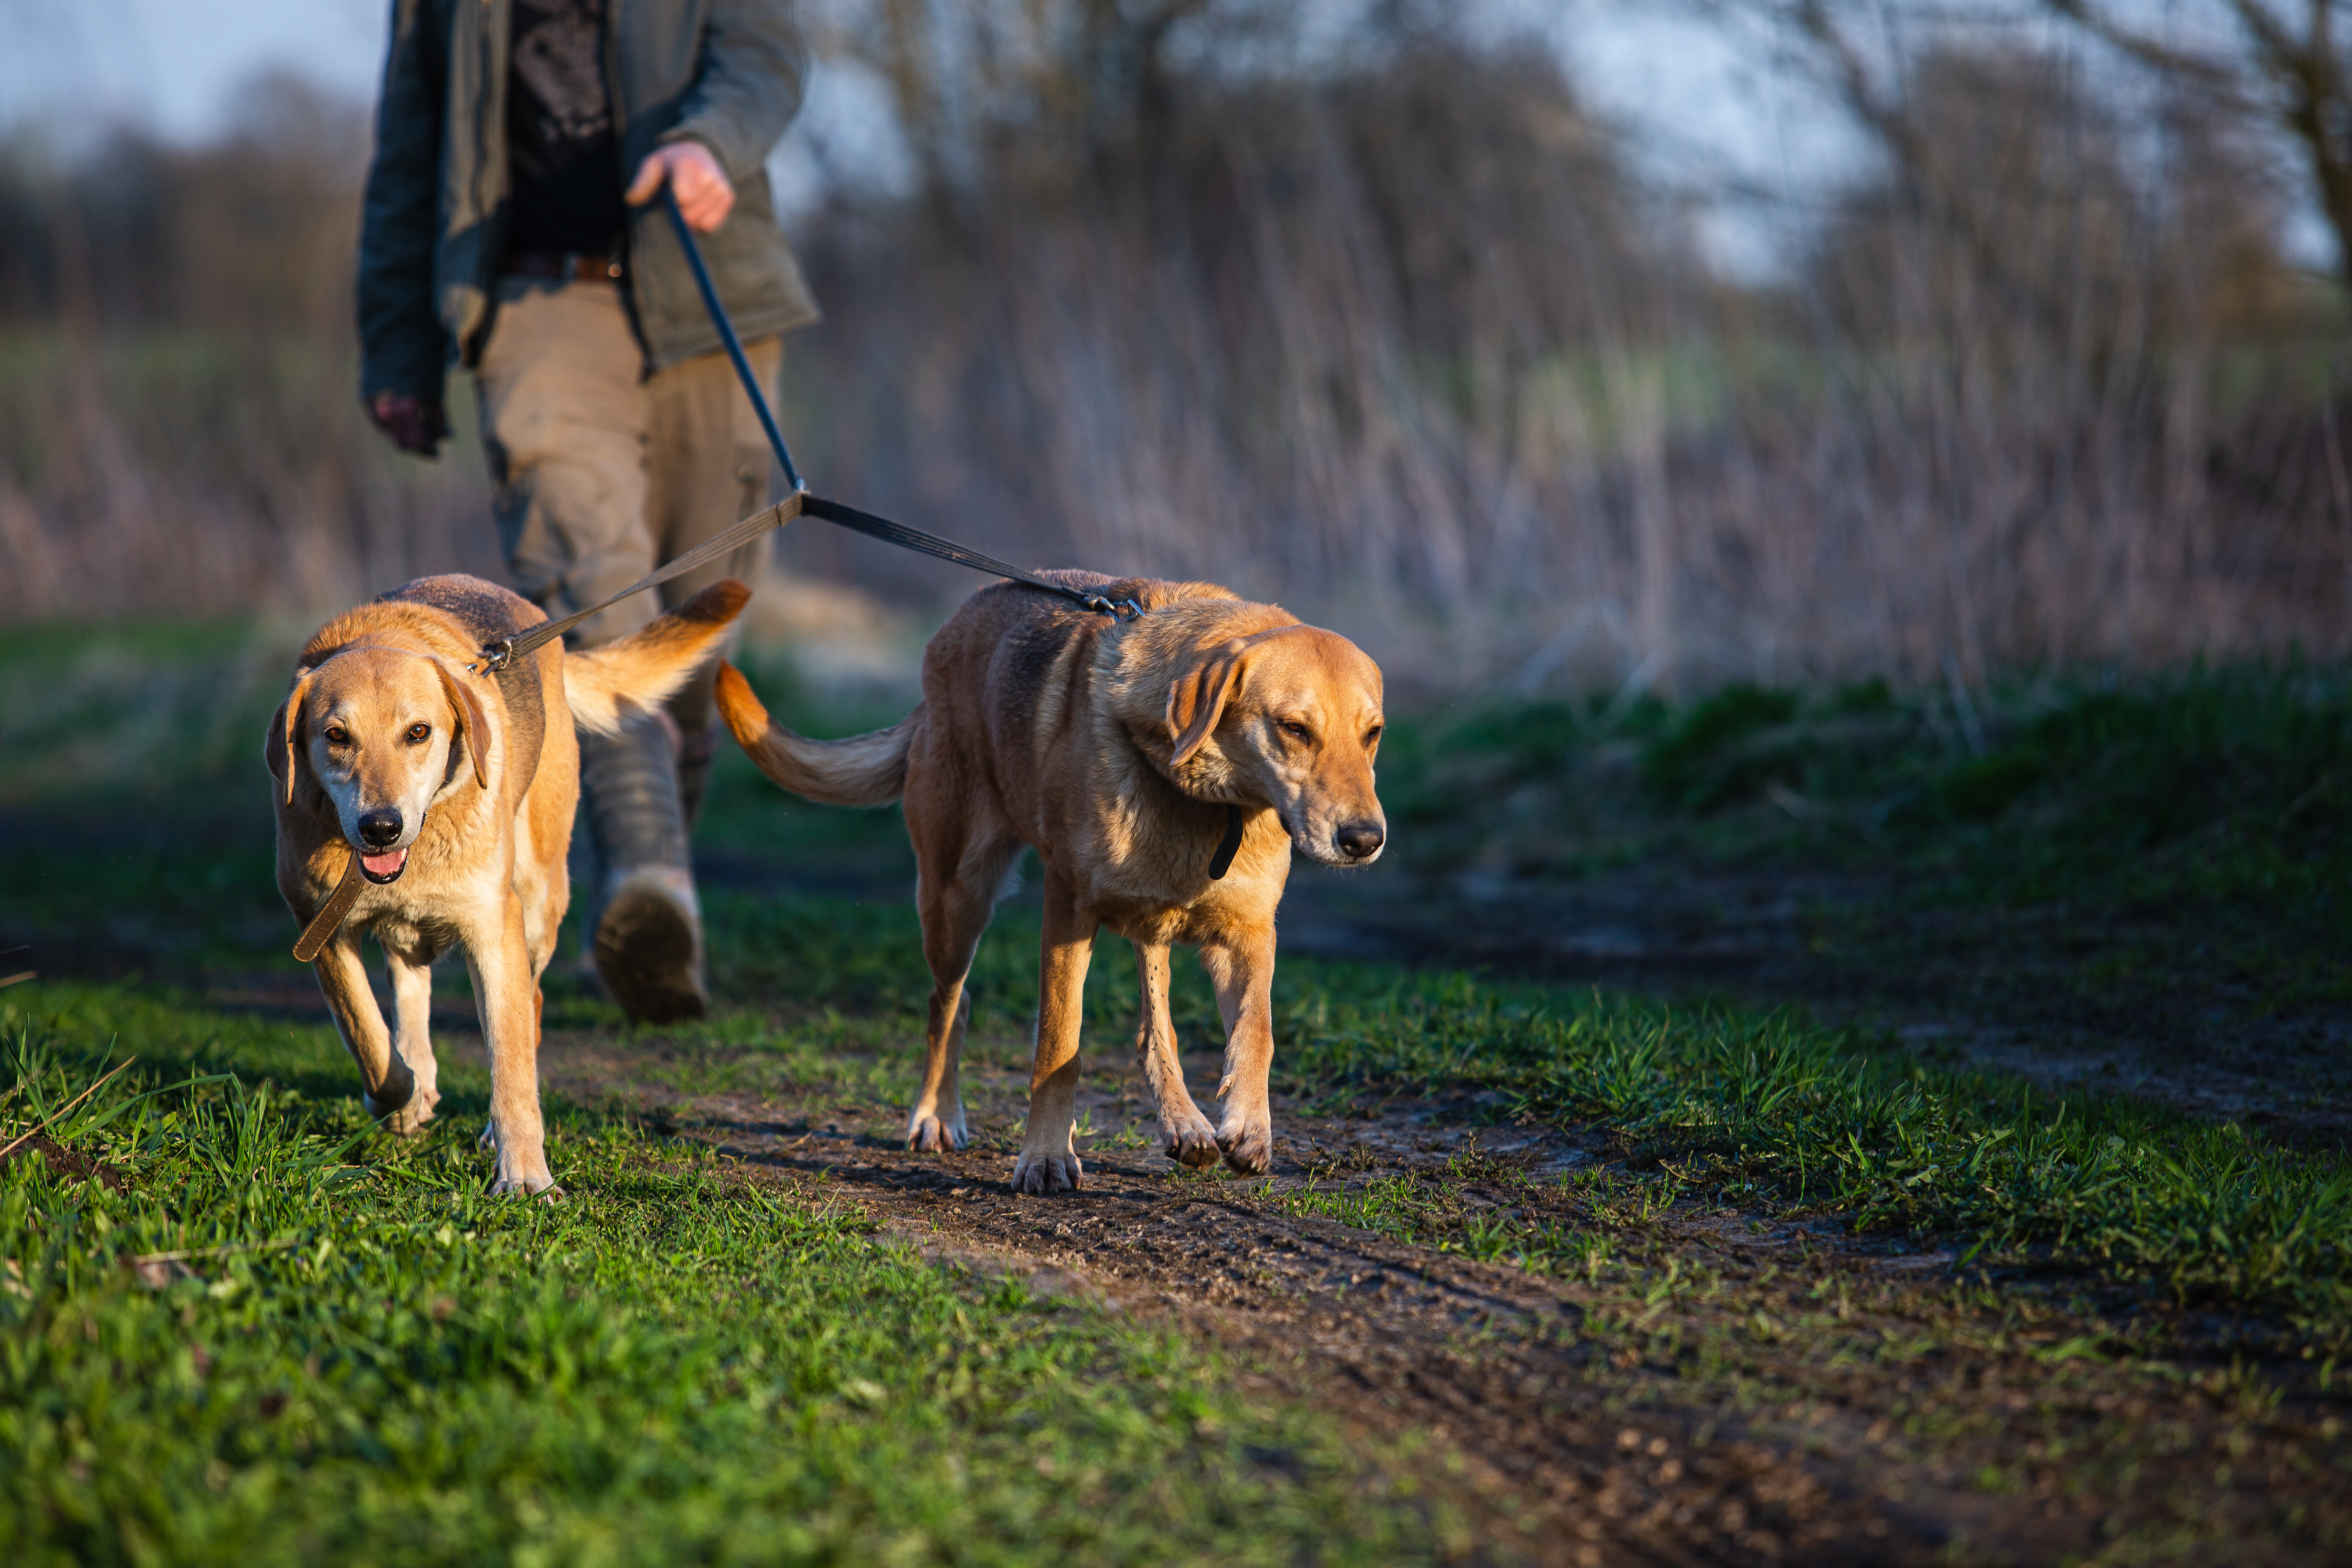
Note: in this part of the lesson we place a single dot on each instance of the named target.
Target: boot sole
(645, 955)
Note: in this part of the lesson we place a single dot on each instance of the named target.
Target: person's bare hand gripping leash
(515, 142)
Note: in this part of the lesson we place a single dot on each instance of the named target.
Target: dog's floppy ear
(282, 747)
(1197, 700)
(468, 707)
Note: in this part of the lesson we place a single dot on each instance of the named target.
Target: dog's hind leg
(1190, 1140)
(1243, 972)
(955, 911)
(342, 980)
(412, 1006)
(1048, 1163)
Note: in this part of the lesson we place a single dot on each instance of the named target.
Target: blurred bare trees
(1368, 314)
(2256, 60)
(1305, 333)
(1390, 323)
(2063, 333)
(179, 428)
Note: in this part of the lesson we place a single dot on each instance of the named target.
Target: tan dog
(457, 791)
(1116, 750)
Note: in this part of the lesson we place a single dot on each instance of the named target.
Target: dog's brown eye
(338, 736)
(419, 733)
(1301, 730)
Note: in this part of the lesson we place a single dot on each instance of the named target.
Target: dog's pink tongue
(385, 865)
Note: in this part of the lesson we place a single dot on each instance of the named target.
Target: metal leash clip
(1116, 609)
(493, 657)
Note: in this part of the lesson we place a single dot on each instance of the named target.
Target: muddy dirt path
(1719, 1389)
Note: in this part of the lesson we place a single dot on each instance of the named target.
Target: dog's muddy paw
(936, 1135)
(1248, 1150)
(1043, 1174)
(1192, 1146)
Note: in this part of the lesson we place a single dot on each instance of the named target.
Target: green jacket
(726, 73)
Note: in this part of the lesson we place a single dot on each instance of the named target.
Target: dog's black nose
(380, 829)
(1359, 840)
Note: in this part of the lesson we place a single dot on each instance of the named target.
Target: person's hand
(704, 195)
(415, 424)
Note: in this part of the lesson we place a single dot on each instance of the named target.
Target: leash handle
(710, 302)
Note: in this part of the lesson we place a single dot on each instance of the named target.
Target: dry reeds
(1393, 335)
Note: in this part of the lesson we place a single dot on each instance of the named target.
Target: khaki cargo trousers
(602, 473)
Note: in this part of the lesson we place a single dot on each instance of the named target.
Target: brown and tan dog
(1116, 749)
(457, 792)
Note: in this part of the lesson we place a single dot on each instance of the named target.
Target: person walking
(503, 232)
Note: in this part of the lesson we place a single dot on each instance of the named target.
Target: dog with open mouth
(455, 791)
(1164, 768)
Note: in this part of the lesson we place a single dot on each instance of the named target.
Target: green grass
(1757, 1108)
(371, 1360)
(342, 1350)
(1760, 1110)
(2215, 785)
(2222, 784)
(1766, 1112)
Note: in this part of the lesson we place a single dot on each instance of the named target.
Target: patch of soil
(67, 1162)
(1728, 1391)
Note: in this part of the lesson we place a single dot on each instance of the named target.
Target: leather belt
(571, 266)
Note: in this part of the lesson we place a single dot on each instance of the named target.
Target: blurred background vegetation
(1363, 309)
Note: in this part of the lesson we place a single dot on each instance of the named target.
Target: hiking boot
(645, 931)
(648, 944)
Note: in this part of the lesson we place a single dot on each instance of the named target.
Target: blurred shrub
(1378, 320)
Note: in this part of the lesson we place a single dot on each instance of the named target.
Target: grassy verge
(254, 1332)
(2208, 789)
(1757, 1110)
(1764, 1112)
(2229, 783)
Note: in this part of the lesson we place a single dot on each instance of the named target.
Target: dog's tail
(651, 662)
(865, 770)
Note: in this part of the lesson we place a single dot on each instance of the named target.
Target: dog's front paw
(1041, 1174)
(540, 1185)
(937, 1135)
(1249, 1147)
(397, 1096)
(409, 1120)
(1192, 1142)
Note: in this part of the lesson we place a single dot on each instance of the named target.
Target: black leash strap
(498, 655)
(914, 538)
(1229, 846)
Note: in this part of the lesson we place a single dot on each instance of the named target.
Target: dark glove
(415, 424)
